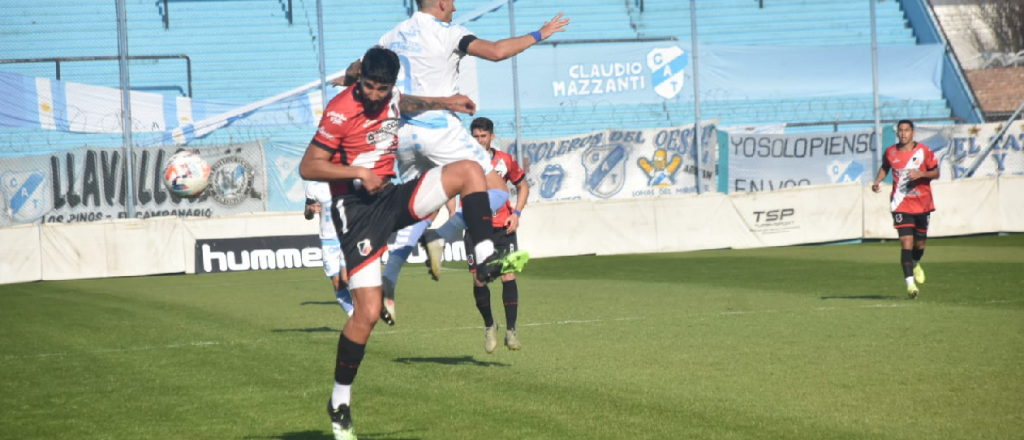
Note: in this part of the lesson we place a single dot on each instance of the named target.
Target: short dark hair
(905, 121)
(482, 124)
(419, 4)
(380, 65)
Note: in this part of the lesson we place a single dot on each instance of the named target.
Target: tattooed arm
(455, 103)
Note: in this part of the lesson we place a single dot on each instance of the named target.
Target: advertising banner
(618, 164)
(768, 162)
(284, 252)
(89, 184)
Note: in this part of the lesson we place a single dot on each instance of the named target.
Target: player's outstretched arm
(509, 47)
(456, 103)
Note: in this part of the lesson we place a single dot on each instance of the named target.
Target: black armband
(464, 43)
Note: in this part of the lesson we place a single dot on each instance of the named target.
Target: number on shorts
(342, 217)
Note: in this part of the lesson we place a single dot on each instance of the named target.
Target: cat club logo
(844, 171)
(606, 169)
(231, 180)
(364, 247)
(667, 66)
(660, 171)
(27, 194)
(551, 180)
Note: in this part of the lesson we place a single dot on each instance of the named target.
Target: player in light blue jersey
(318, 200)
(430, 48)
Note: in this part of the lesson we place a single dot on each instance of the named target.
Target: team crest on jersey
(844, 171)
(667, 70)
(364, 247)
(27, 194)
(659, 169)
(551, 180)
(606, 169)
(501, 168)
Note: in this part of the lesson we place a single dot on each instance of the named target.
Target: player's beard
(370, 106)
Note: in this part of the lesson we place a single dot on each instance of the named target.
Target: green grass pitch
(813, 342)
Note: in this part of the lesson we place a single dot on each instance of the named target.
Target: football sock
(478, 222)
(510, 297)
(345, 300)
(910, 281)
(452, 228)
(342, 395)
(906, 259)
(396, 259)
(918, 253)
(349, 356)
(483, 303)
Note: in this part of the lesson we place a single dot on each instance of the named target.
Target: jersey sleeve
(515, 172)
(456, 33)
(930, 163)
(331, 130)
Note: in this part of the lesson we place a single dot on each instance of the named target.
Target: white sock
(910, 281)
(342, 395)
(452, 228)
(482, 250)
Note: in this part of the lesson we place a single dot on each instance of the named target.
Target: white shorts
(332, 257)
(421, 148)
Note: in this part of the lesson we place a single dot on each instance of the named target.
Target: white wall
(671, 224)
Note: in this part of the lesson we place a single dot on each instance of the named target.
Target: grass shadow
(319, 303)
(882, 297)
(321, 435)
(464, 360)
(305, 330)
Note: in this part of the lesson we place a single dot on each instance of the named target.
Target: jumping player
(430, 48)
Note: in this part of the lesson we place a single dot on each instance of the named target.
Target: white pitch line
(450, 329)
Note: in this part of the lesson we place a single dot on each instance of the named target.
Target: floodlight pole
(320, 52)
(515, 86)
(126, 106)
(698, 145)
(874, 88)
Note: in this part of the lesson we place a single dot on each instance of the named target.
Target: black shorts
(365, 222)
(911, 224)
(503, 244)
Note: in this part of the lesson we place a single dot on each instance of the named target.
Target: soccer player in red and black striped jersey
(505, 224)
(913, 167)
(354, 149)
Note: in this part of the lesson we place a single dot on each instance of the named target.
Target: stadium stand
(242, 51)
